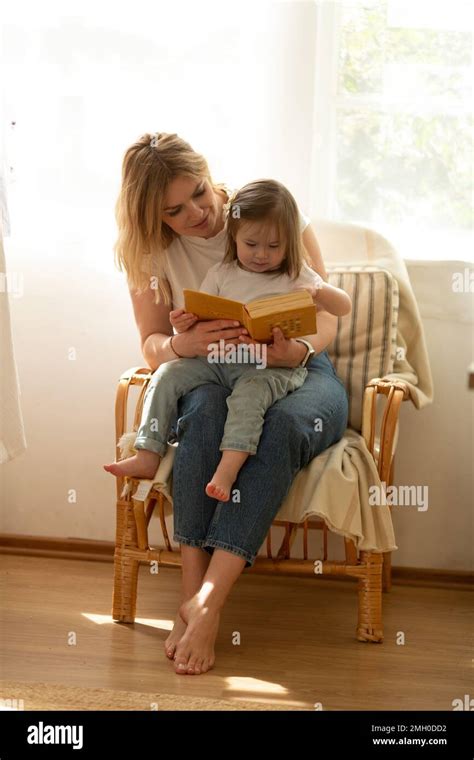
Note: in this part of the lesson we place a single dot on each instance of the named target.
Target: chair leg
(351, 551)
(124, 600)
(387, 556)
(387, 572)
(369, 627)
(140, 521)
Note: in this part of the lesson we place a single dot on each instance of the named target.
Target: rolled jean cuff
(205, 544)
(231, 446)
(150, 444)
(196, 543)
(249, 558)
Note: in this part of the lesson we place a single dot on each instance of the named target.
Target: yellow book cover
(294, 313)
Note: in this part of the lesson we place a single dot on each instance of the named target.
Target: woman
(171, 231)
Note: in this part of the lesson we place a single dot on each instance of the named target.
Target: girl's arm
(331, 299)
(314, 279)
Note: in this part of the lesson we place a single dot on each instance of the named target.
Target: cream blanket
(335, 485)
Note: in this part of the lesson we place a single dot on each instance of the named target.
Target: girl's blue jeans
(296, 429)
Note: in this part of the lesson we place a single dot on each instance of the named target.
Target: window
(394, 122)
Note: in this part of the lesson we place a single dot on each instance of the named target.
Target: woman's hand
(194, 341)
(283, 352)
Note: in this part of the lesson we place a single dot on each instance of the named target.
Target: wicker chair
(373, 570)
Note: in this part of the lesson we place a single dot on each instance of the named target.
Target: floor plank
(297, 644)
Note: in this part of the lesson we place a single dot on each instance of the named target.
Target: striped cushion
(365, 344)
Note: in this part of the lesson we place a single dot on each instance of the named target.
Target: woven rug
(52, 696)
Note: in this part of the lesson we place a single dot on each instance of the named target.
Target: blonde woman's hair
(268, 201)
(149, 165)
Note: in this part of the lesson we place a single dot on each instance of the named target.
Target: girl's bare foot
(219, 489)
(226, 474)
(176, 634)
(143, 465)
(195, 651)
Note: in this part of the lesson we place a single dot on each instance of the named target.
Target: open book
(294, 313)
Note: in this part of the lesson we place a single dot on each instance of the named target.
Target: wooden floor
(297, 643)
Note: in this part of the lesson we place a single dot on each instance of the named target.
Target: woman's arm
(312, 248)
(153, 322)
(327, 323)
(154, 327)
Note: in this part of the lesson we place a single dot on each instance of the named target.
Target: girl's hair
(149, 165)
(267, 200)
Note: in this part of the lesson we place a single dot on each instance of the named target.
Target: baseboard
(59, 548)
(103, 551)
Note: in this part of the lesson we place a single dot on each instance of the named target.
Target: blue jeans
(290, 439)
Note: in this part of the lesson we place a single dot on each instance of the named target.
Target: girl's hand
(283, 352)
(182, 320)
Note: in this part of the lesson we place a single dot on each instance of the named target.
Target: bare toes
(211, 490)
(192, 665)
(181, 667)
(205, 666)
(216, 492)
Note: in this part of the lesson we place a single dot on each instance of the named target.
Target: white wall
(435, 446)
(84, 90)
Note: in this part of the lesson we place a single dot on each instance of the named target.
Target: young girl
(264, 256)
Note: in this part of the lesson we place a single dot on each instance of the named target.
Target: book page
(208, 307)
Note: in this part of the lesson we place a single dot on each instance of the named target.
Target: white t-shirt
(231, 281)
(189, 258)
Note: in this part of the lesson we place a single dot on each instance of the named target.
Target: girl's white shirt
(231, 281)
(188, 259)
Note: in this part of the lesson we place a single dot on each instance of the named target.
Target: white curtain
(12, 436)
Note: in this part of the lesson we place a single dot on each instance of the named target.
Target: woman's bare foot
(195, 562)
(226, 474)
(195, 651)
(143, 465)
(176, 634)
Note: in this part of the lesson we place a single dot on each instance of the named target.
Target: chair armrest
(132, 376)
(136, 374)
(396, 391)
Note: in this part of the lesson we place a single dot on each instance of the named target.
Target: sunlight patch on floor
(260, 692)
(266, 701)
(236, 683)
(165, 625)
